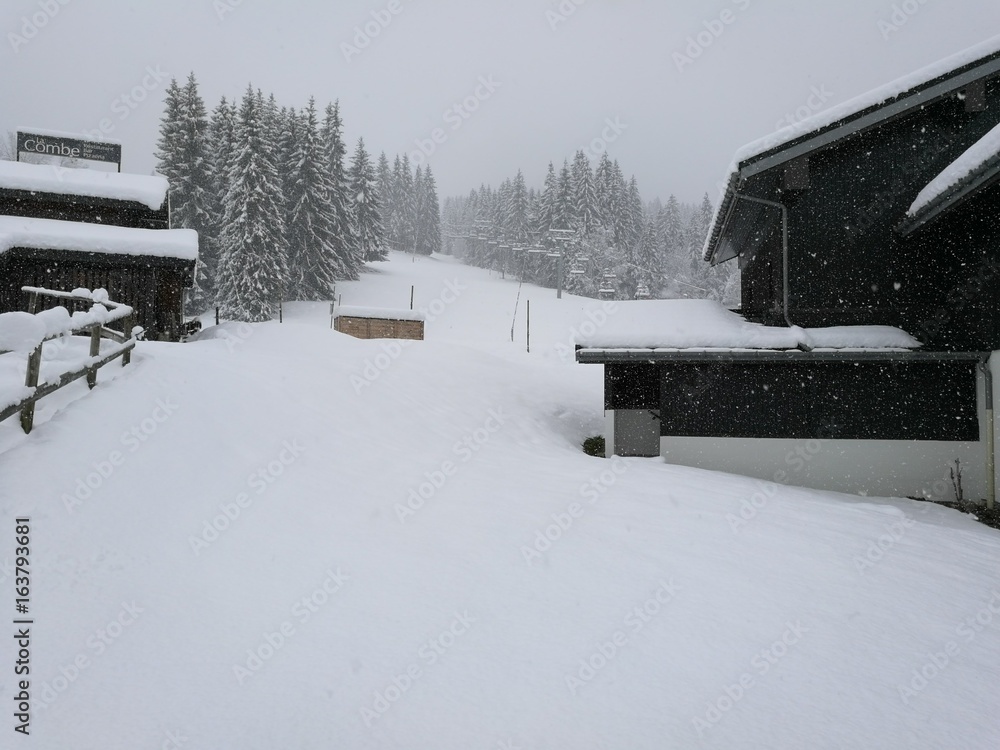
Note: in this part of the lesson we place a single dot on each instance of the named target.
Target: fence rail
(92, 323)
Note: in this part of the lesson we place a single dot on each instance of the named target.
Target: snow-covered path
(308, 541)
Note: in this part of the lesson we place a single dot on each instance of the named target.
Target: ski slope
(295, 539)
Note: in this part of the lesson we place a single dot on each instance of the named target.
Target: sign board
(68, 147)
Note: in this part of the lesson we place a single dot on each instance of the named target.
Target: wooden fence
(124, 341)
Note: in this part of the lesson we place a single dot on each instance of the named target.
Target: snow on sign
(67, 146)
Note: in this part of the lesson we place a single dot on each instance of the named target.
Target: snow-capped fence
(27, 332)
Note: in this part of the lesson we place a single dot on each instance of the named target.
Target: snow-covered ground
(295, 539)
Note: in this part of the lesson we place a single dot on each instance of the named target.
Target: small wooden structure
(376, 323)
(77, 228)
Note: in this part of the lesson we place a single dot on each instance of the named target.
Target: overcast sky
(557, 79)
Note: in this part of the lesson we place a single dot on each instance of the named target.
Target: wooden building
(883, 212)
(377, 323)
(70, 228)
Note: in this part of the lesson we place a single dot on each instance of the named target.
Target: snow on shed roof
(704, 324)
(47, 178)
(857, 110)
(49, 234)
(982, 154)
(377, 313)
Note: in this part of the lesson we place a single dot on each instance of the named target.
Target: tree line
(281, 211)
(614, 245)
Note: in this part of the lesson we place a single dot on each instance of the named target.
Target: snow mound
(44, 178)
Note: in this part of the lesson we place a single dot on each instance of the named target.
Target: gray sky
(558, 80)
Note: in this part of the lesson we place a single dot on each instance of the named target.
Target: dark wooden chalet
(70, 228)
(831, 228)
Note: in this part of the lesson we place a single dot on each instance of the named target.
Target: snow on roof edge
(66, 134)
(971, 161)
(150, 190)
(52, 234)
(377, 313)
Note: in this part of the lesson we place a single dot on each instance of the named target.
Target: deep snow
(714, 611)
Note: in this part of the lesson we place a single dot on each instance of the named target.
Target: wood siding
(380, 328)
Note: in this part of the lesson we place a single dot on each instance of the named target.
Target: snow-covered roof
(49, 234)
(980, 156)
(377, 313)
(856, 113)
(46, 178)
(704, 324)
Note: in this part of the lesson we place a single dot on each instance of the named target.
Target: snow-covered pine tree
(385, 198)
(288, 150)
(565, 215)
(184, 160)
(367, 204)
(430, 220)
(313, 263)
(221, 131)
(254, 269)
(345, 239)
(585, 205)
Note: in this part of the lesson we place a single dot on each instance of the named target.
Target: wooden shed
(377, 323)
(71, 228)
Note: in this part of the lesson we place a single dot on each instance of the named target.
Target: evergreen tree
(345, 233)
(429, 217)
(254, 270)
(367, 204)
(221, 134)
(386, 199)
(184, 160)
(314, 266)
(585, 206)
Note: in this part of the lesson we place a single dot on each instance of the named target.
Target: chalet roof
(378, 313)
(918, 89)
(49, 234)
(971, 172)
(45, 178)
(705, 325)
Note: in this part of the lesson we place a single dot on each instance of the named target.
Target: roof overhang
(688, 356)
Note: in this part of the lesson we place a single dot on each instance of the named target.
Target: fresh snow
(670, 600)
(705, 324)
(46, 178)
(987, 148)
(50, 234)
(380, 313)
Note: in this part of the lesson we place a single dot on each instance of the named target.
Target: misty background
(687, 83)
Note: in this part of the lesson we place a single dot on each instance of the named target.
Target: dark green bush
(594, 446)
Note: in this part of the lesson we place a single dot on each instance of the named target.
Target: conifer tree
(314, 266)
(254, 270)
(345, 232)
(367, 204)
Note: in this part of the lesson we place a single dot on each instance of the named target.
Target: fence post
(95, 349)
(127, 327)
(31, 381)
